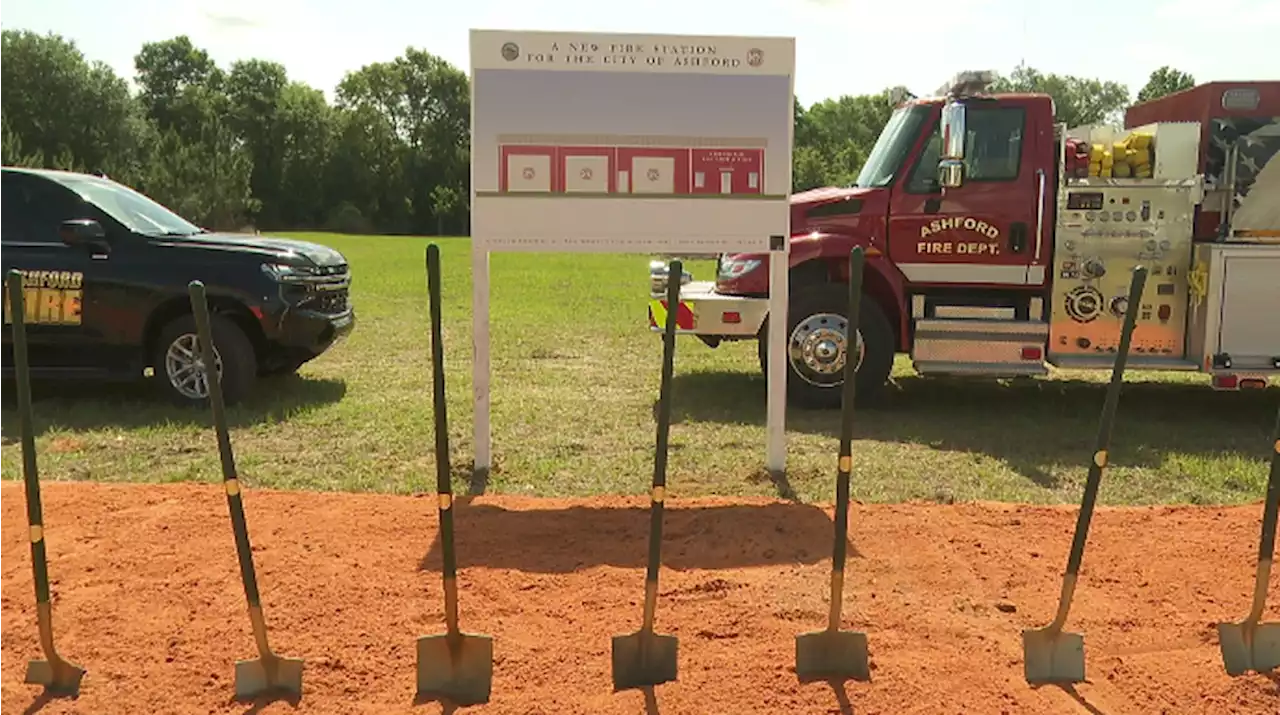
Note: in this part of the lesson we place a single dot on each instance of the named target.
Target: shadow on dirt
(86, 406)
(566, 540)
(1030, 424)
(259, 703)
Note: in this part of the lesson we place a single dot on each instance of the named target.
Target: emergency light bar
(968, 82)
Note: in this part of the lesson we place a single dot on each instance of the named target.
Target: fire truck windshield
(895, 141)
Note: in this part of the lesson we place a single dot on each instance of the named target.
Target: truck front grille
(328, 294)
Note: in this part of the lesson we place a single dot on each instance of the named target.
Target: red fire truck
(1000, 243)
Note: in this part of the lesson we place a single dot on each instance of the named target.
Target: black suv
(106, 269)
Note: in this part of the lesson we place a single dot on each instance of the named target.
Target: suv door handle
(1018, 237)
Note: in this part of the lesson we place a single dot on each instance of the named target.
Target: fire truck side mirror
(951, 159)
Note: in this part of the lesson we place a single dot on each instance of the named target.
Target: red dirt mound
(148, 599)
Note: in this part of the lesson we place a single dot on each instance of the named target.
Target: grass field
(575, 377)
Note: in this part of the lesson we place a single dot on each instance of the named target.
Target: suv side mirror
(951, 162)
(83, 232)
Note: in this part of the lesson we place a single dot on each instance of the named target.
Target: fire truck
(1000, 243)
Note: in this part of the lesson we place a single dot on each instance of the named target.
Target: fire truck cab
(1000, 243)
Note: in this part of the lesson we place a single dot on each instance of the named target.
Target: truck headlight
(731, 268)
(658, 274)
(288, 273)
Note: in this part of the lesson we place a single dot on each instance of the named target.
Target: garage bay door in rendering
(652, 166)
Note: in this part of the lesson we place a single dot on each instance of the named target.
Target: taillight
(1032, 353)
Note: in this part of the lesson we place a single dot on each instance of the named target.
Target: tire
(812, 389)
(231, 347)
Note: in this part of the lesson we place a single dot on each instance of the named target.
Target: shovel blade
(458, 669)
(822, 655)
(258, 676)
(1245, 649)
(1052, 656)
(58, 676)
(643, 658)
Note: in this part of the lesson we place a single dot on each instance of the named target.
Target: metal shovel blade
(826, 654)
(1051, 655)
(459, 668)
(643, 658)
(263, 675)
(58, 676)
(1249, 646)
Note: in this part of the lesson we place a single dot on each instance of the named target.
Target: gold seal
(37, 533)
(446, 500)
(846, 464)
(233, 487)
(659, 493)
(1100, 458)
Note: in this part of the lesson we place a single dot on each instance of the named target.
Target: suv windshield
(886, 157)
(134, 210)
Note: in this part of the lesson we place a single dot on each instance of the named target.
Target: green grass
(575, 377)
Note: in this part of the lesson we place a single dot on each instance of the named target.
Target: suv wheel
(179, 369)
(818, 344)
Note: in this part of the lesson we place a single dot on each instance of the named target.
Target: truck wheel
(817, 346)
(176, 360)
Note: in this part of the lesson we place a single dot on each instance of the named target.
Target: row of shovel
(458, 667)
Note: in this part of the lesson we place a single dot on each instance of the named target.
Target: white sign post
(626, 143)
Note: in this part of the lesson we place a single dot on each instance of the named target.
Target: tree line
(247, 146)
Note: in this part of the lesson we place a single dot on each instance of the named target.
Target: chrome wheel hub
(185, 369)
(818, 347)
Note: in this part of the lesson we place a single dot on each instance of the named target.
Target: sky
(842, 46)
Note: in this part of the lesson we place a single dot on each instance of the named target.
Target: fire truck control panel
(1102, 233)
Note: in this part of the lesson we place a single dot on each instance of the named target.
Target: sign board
(629, 143)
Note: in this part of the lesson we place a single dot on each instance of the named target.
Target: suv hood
(289, 250)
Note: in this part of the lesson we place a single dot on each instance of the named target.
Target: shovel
(457, 666)
(55, 673)
(1250, 645)
(645, 658)
(1049, 654)
(833, 653)
(269, 672)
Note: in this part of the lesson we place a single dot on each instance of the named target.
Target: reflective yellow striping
(1100, 458)
(659, 313)
(446, 501)
(846, 464)
(37, 533)
(233, 487)
(659, 493)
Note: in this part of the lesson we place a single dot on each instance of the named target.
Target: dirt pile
(148, 599)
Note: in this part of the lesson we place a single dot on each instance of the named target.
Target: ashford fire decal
(950, 242)
(51, 297)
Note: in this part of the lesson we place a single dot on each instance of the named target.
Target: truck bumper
(701, 310)
(309, 332)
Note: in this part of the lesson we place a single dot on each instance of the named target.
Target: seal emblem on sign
(653, 174)
(510, 51)
(585, 173)
(755, 57)
(527, 173)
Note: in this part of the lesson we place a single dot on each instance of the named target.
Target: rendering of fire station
(617, 166)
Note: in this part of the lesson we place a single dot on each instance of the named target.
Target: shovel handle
(30, 474)
(844, 466)
(230, 479)
(1270, 514)
(657, 495)
(1105, 425)
(444, 486)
